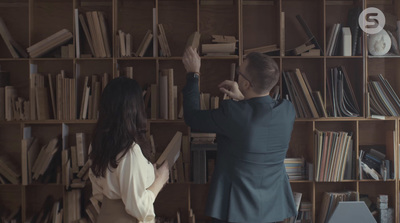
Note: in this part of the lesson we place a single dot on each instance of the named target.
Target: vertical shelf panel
(312, 13)
(10, 143)
(354, 70)
(198, 200)
(179, 19)
(19, 75)
(302, 141)
(36, 196)
(379, 135)
(218, 19)
(44, 11)
(213, 72)
(104, 6)
(139, 13)
(372, 189)
(179, 72)
(267, 31)
(16, 18)
(10, 201)
(173, 198)
(320, 188)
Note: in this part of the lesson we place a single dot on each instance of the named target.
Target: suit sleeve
(216, 120)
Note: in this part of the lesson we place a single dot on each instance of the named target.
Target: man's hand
(191, 60)
(231, 88)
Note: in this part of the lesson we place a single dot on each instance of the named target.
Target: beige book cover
(172, 151)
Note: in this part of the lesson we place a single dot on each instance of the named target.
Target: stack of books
(382, 99)
(221, 46)
(332, 155)
(295, 168)
(9, 170)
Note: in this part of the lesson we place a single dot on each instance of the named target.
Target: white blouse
(129, 182)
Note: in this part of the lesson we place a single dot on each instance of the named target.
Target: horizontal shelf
(379, 2)
(160, 121)
(328, 3)
(303, 57)
(98, 3)
(94, 58)
(344, 57)
(181, 121)
(372, 180)
(220, 58)
(41, 185)
(330, 119)
(256, 3)
(382, 57)
(14, 4)
(49, 122)
(51, 59)
(300, 181)
(335, 182)
(135, 58)
(14, 59)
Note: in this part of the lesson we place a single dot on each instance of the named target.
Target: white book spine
(346, 41)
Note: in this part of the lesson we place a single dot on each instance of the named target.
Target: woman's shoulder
(135, 152)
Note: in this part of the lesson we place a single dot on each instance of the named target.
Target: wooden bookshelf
(254, 24)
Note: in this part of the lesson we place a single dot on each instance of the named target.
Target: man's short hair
(263, 72)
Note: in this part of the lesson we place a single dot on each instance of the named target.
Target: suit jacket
(249, 183)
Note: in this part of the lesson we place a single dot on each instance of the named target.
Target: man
(249, 183)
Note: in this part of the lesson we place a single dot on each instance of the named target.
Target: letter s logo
(371, 20)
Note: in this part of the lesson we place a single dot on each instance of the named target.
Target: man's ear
(246, 84)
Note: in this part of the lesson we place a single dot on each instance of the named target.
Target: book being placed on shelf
(193, 40)
(172, 151)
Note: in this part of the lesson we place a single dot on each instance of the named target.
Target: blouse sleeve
(132, 175)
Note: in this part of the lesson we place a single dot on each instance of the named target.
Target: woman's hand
(161, 177)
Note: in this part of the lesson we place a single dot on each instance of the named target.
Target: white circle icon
(371, 20)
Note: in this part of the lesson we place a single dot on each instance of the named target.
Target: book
(223, 39)
(262, 49)
(12, 46)
(77, 36)
(172, 151)
(346, 41)
(81, 150)
(144, 44)
(352, 22)
(309, 33)
(166, 52)
(228, 48)
(57, 39)
(85, 29)
(193, 40)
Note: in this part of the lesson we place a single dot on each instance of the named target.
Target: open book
(171, 153)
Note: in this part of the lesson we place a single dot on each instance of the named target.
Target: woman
(122, 176)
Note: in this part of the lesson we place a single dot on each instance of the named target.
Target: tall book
(346, 41)
(163, 94)
(309, 33)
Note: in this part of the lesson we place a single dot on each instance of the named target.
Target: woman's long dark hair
(122, 121)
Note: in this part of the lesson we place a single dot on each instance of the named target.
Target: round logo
(371, 20)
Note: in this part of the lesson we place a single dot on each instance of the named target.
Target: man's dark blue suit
(249, 183)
